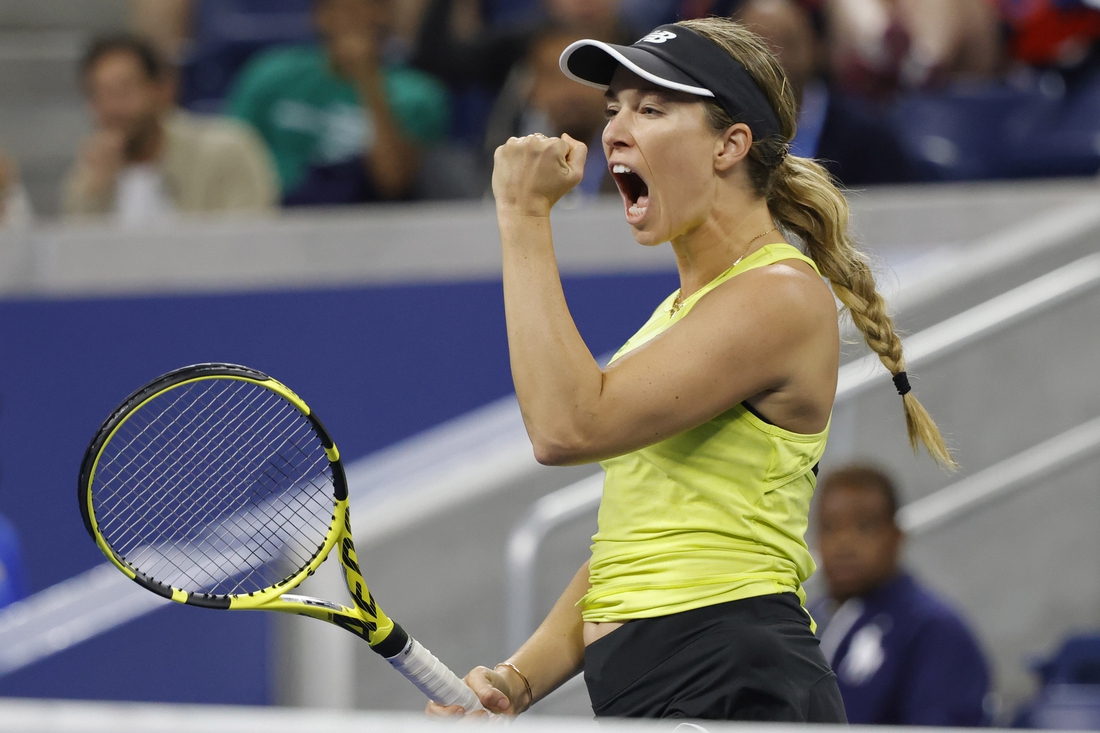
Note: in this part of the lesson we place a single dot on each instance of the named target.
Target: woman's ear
(732, 146)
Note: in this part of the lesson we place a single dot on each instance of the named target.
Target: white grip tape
(433, 678)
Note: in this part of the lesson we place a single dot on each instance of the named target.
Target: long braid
(805, 201)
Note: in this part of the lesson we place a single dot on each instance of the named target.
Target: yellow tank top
(717, 513)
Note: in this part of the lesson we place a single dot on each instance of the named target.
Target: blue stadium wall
(377, 364)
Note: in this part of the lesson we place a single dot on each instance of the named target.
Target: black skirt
(753, 659)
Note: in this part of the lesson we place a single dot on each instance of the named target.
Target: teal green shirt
(310, 116)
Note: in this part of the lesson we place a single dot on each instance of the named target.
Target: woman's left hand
(492, 690)
(530, 174)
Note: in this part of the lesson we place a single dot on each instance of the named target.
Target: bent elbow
(559, 452)
(550, 454)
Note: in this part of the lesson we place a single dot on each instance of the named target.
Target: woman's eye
(609, 112)
(647, 110)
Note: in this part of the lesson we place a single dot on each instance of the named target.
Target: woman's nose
(616, 133)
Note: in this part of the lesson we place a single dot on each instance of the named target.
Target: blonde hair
(805, 201)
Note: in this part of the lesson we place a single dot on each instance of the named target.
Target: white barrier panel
(58, 716)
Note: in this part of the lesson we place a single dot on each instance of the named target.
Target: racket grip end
(432, 677)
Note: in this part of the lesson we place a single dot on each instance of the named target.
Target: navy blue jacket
(902, 657)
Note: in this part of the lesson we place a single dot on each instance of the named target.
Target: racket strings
(149, 461)
(218, 486)
(182, 465)
(213, 506)
(271, 517)
(230, 536)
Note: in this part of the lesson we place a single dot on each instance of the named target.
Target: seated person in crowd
(15, 207)
(901, 655)
(539, 98)
(878, 46)
(147, 158)
(166, 23)
(343, 124)
(856, 146)
(13, 583)
(1052, 33)
(487, 56)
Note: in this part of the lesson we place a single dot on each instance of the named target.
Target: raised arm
(767, 333)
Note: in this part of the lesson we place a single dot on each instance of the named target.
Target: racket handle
(433, 678)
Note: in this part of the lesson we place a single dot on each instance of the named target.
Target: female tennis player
(711, 420)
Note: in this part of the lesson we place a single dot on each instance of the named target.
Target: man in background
(854, 144)
(147, 159)
(901, 655)
(343, 124)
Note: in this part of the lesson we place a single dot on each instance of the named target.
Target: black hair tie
(901, 381)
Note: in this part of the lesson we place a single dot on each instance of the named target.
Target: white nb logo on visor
(658, 37)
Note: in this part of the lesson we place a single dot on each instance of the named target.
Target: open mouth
(634, 190)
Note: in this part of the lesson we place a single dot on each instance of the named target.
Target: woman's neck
(729, 234)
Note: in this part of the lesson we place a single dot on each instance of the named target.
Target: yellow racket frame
(364, 619)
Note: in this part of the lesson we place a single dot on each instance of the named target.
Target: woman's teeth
(634, 191)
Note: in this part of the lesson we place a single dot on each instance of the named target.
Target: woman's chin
(644, 226)
(646, 237)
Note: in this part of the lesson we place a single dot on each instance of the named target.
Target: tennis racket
(216, 486)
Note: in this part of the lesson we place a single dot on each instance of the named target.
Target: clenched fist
(530, 174)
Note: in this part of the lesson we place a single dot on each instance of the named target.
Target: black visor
(675, 57)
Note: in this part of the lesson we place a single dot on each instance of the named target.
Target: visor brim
(594, 62)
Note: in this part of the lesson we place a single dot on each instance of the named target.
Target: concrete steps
(92, 16)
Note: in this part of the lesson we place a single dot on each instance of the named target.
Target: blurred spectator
(878, 46)
(643, 15)
(15, 207)
(343, 125)
(539, 98)
(147, 159)
(487, 56)
(173, 25)
(13, 582)
(857, 147)
(166, 23)
(1052, 32)
(901, 656)
(226, 34)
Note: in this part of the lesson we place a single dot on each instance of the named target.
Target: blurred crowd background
(199, 105)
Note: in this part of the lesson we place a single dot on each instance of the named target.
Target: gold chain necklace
(679, 303)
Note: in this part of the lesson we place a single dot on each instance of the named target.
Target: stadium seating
(1076, 663)
(1069, 696)
(1045, 127)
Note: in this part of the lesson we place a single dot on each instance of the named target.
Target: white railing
(65, 716)
(937, 342)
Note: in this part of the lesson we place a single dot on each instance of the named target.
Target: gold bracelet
(514, 668)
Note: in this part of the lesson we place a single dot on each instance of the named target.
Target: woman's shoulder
(782, 276)
(778, 306)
